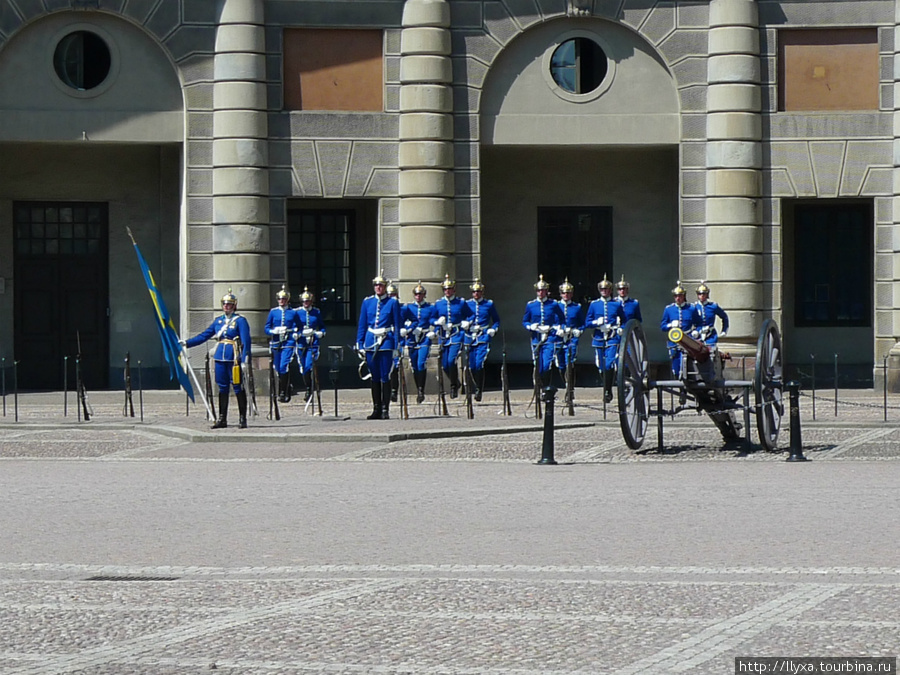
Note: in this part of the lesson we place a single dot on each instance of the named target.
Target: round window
(579, 65)
(82, 60)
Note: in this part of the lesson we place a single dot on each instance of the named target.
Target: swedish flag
(171, 348)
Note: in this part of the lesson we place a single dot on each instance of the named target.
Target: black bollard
(796, 448)
(548, 395)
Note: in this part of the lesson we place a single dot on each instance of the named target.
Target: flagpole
(190, 369)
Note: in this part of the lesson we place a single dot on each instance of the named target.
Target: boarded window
(828, 69)
(333, 69)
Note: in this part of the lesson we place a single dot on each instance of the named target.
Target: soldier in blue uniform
(378, 335)
(543, 318)
(681, 315)
(417, 317)
(705, 313)
(572, 329)
(312, 330)
(631, 309)
(232, 333)
(449, 313)
(281, 327)
(480, 328)
(605, 316)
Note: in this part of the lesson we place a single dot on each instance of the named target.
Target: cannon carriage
(700, 387)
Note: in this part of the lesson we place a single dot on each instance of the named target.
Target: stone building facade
(253, 143)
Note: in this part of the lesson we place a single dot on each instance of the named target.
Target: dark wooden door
(61, 293)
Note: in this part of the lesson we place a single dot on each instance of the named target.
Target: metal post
(813, 357)
(141, 389)
(835, 384)
(747, 418)
(334, 371)
(548, 394)
(659, 419)
(16, 388)
(884, 371)
(65, 386)
(3, 376)
(796, 455)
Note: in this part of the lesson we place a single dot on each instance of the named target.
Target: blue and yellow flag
(171, 348)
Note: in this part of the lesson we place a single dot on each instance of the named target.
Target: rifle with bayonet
(128, 410)
(209, 391)
(404, 401)
(274, 412)
(442, 394)
(468, 383)
(504, 380)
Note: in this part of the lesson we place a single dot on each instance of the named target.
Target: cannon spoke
(767, 385)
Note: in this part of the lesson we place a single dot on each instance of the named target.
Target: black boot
(284, 388)
(395, 385)
(419, 377)
(478, 379)
(608, 377)
(376, 401)
(307, 380)
(385, 400)
(453, 374)
(241, 397)
(222, 422)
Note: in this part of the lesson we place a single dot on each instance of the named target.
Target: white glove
(417, 330)
(576, 332)
(695, 334)
(278, 330)
(465, 324)
(674, 324)
(600, 321)
(723, 334)
(307, 332)
(491, 332)
(430, 335)
(532, 326)
(440, 321)
(320, 334)
(183, 343)
(396, 353)
(619, 330)
(560, 332)
(404, 332)
(544, 329)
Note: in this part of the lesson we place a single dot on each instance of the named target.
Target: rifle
(251, 385)
(536, 377)
(129, 403)
(442, 395)
(570, 383)
(468, 383)
(274, 412)
(504, 381)
(209, 391)
(82, 393)
(404, 402)
(315, 385)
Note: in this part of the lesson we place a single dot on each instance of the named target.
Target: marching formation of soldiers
(462, 330)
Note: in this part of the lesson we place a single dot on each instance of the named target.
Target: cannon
(700, 387)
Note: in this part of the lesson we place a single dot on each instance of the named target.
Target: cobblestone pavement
(434, 545)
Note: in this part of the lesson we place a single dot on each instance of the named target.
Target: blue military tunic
(705, 314)
(417, 319)
(484, 318)
(677, 316)
(631, 309)
(231, 332)
(281, 327)
(605, 316)
(312, 330)
(449, 331)
(574, 326)
(543, 318)
(378, 333)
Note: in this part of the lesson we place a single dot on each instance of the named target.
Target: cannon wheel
(767, 385)
(633, 378)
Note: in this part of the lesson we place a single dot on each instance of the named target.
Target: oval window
(578, 65)
(82, 60)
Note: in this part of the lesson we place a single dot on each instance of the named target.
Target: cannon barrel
(696, 349)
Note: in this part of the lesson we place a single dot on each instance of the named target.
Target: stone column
(426, 186)
(893, 383)
(734, 160)
(240, 181)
